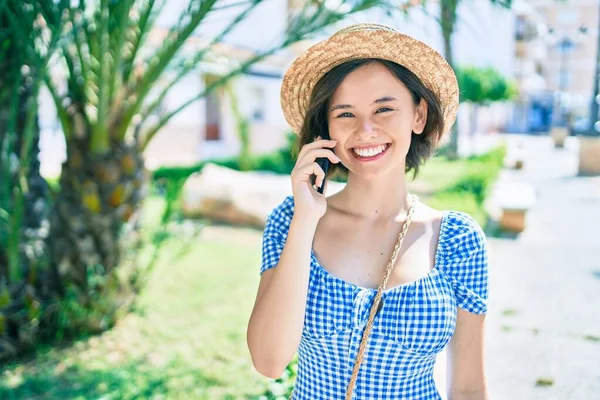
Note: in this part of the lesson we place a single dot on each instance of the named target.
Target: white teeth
(370, 152)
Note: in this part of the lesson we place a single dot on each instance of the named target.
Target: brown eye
(383, 109)
(345, 115)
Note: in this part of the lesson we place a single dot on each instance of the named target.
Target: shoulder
(276, 232)
(464, 259)
(285, 209)
(280, 217)
(461, 233)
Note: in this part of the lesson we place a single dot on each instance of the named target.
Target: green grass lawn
(438, 174)
(186, 339)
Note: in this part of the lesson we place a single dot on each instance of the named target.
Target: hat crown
(365, 27)
(367, 41)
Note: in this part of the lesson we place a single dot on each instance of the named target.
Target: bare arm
(275, 326)
(466, 375)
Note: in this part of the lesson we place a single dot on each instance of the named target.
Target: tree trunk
(448, 46)
(22, 301)
(28, 298)
(99, 194)
(448, 23)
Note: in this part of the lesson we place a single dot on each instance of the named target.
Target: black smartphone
(323, 163)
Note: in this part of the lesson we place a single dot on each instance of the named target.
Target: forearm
(275, 327)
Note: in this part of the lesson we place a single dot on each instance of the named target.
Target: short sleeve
(275, 233)
(465, 261)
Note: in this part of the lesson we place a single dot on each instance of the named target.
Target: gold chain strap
(375, 306)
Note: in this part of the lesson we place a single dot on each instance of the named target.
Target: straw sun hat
(361, 41)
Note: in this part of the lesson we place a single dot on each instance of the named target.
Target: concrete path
(543, 330)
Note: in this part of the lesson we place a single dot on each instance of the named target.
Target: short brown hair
(422, 146)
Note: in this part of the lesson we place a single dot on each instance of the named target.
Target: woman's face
(372, 116)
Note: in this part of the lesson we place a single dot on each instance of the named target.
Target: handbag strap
(377, 300)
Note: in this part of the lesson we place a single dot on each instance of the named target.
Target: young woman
(369, 284)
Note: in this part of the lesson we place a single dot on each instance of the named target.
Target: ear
(420, 117)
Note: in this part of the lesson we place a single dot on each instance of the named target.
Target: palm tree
(27, 39)
(114, 83)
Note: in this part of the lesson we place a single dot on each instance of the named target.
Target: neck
(381, 198)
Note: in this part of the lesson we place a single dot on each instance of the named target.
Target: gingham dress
(415, 324)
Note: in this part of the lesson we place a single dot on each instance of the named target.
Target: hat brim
(426, 63)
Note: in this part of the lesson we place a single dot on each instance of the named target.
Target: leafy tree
(481, 86)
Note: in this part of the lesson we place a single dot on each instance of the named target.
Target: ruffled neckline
(432, 272)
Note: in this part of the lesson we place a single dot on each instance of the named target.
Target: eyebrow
(346, 106)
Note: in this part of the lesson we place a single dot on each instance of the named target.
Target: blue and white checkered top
(415, 324)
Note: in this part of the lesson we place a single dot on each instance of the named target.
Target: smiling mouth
(372, 153)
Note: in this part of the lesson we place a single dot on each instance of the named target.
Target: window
(520, 28)
(257, 107)
(213, 112)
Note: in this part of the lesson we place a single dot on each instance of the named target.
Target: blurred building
(572, 40)
(533, 106)
(555, 61)
(571, 36)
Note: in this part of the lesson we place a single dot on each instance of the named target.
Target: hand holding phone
(310, 171)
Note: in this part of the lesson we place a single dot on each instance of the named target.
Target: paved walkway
(543, 339)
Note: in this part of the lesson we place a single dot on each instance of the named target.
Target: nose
(367, 131)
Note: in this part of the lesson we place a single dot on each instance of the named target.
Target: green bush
(176, 173)
(481, 173)
(459, 201)
(475, 181)
(469, 192)
(494, 157)
(483, 85)
(278, 162)
(281, 388)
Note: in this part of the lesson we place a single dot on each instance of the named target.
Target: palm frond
(502, 3)
(188, 65)
(139, 30)
(63, 117)
(217, 83)
(117, 40)
(100, 140)
(79, 40)
(163, 57)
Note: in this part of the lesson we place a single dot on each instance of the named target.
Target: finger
(305, 173)
(312, 155)
(324, 182)
(318, 144)
(320, 180)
